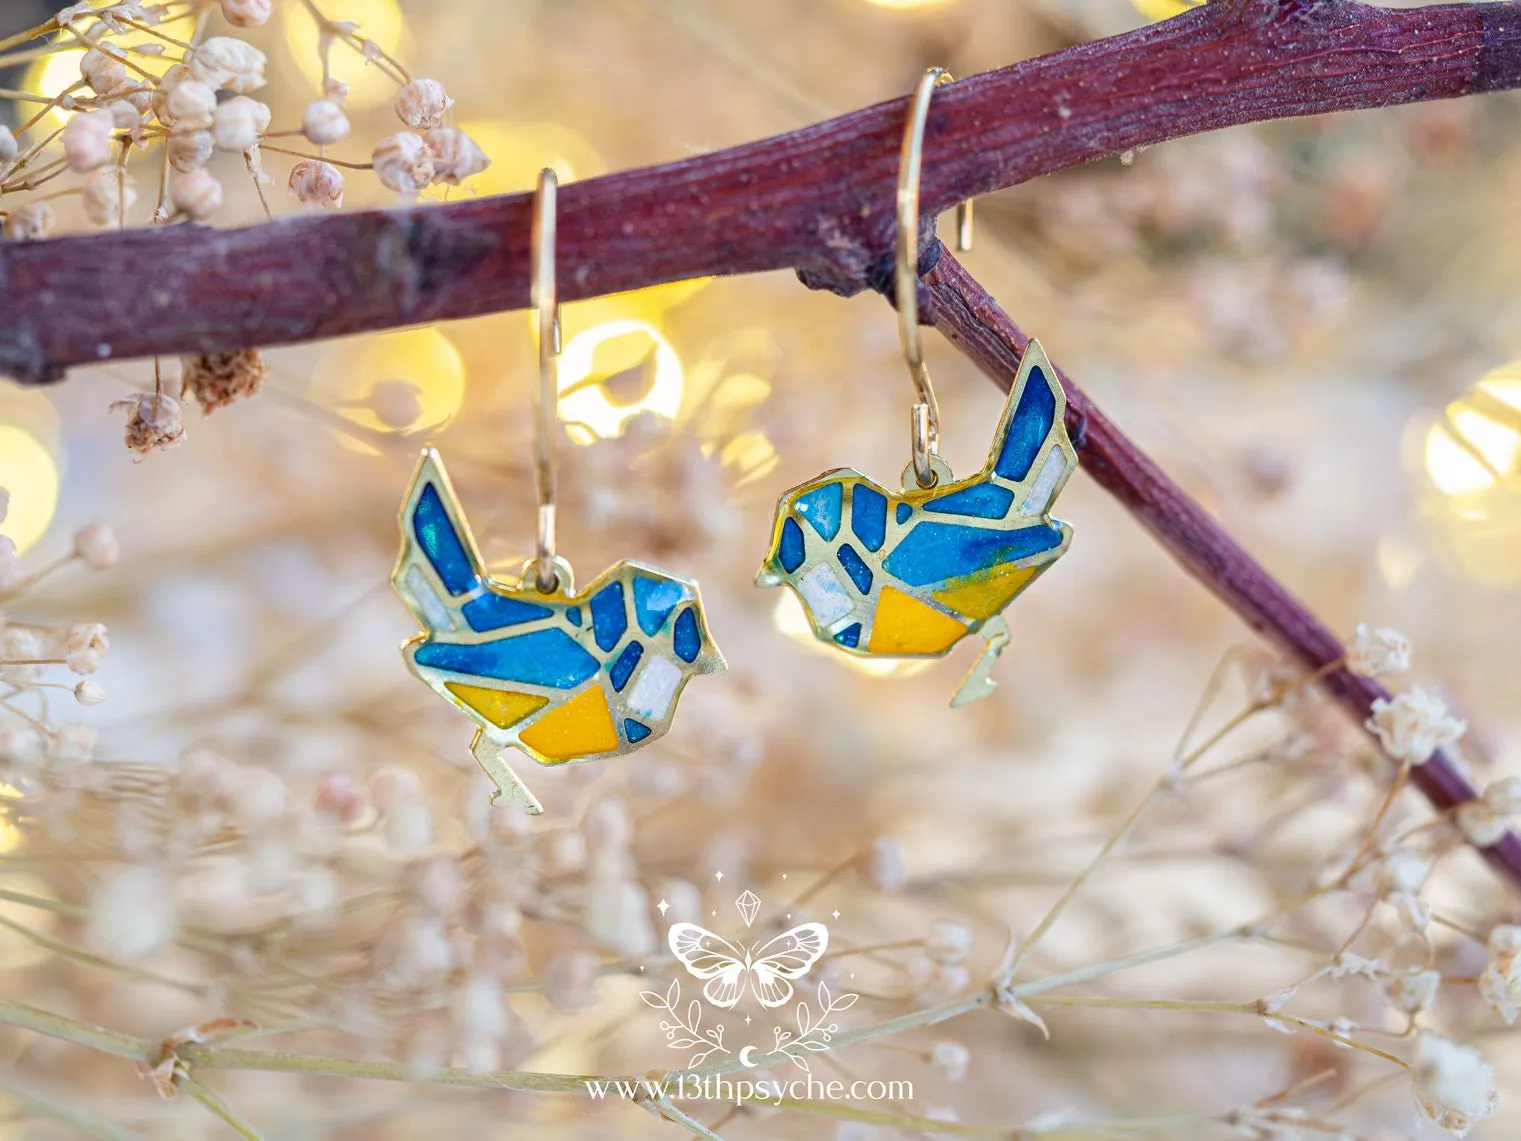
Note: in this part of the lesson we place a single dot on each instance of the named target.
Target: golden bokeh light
(412, 381)
(905, 5)
(50, 77)
(1471, 463)
(790, 618)
(30, 473)
(377, 20)
(1154, 10)
(613, 372)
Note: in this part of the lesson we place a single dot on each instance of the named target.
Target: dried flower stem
(65, 1110)
(212, 1101)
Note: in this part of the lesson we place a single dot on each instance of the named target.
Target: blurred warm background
(1311, 326)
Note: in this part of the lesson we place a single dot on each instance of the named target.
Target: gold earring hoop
(925, 416)
(546, 410)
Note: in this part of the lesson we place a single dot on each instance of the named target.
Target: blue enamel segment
(634, 731)
(573, 616)
(686, 640)
(983, 500)
(821, 507)
(790, 549)
(868, 516)
(493, 611)
(851, 564)
(625, 664)
(850, 636)
(609, 620)
(903, 512)
(441, 543)
(654, 599)
(1028, 429)
(551, 658)
(934, 552)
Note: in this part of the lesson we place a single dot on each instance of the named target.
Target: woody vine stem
(817, 201)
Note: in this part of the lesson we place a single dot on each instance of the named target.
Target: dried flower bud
(29, 223)
(84, 645)
(89, 692)
(190, 150)
(153, 421)
(191, 103)
(1400, 872)
(102, 70)
(455, 155)
(1378, 653)
(247, 13)
(108, 194)
(949, 1060)
(95, 543)
(324, 123)
(224, 62)
(127, 115)
(336, 91)
(87, 140)
(177, 74)
(197, 194)
(239, 123)
(1413, 991)
(337, 797)
(9, 149)
(409, 826)
(423, 103)
(948, 942)
(403, 162)
(215, 380)
(1480, 824)
(317, 183)
(1504, 796)
(71, 746)
(1454, 1085)
(1414, 725)
(1500, 984)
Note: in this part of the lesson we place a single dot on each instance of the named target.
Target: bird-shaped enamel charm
(557, 674)
(560, 675)
(910, 575)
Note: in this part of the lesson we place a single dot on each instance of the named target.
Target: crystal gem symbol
(748, 905)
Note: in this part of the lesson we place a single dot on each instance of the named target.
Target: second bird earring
(560, 675)
(909, 575)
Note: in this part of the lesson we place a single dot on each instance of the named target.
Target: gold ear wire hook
(925, 421)
(547, 309)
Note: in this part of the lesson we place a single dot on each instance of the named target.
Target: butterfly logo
(769, 967)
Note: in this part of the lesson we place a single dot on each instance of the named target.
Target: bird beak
(767, 577)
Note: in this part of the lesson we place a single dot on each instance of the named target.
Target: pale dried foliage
(278, 842)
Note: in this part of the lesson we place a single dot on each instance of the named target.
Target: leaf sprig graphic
(685, 1032)
(814, 1035)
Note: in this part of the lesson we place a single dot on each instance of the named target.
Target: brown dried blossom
(215, 380)
(154, 421)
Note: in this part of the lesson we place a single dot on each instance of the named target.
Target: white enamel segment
(825, 594)
(653, 693)
(1039, 496)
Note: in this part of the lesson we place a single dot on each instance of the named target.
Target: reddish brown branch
(971, 320)
(816, 200)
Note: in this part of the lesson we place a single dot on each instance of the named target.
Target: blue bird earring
(910, 575)
(560, 675)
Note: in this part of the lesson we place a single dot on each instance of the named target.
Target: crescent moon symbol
(746, 1061)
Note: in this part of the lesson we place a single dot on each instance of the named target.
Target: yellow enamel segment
(986, 597)
(904, 625)
(501, 707)
(582, 727)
